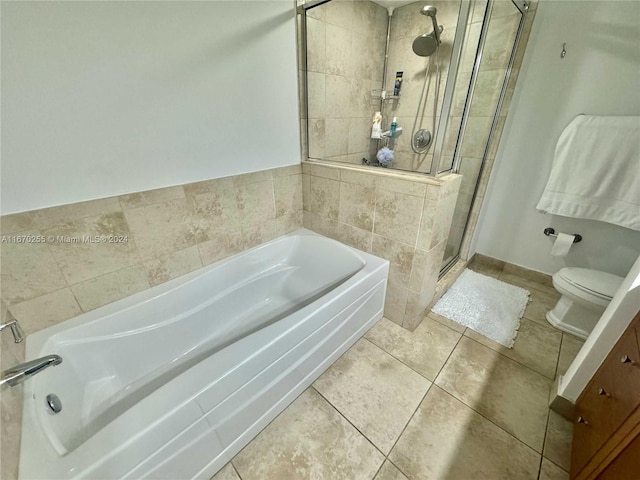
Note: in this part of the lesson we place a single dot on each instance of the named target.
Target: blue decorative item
(385, 156)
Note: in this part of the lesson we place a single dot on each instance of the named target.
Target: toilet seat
(585, 294)
(591, 285)
(599, 283)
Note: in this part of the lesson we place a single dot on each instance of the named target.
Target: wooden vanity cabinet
(625, 465)
(606, 434)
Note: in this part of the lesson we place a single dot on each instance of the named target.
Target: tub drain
(54, 403)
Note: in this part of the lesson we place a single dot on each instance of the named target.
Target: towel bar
(550, 232)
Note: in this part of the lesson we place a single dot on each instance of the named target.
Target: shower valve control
(422, 139)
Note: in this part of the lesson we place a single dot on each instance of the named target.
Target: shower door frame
(450, 86)
(457, 158)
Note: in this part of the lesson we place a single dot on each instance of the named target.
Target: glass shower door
(475, 118)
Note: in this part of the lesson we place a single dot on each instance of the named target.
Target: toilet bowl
(585, 295)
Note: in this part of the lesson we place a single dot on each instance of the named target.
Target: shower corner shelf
(378, 95)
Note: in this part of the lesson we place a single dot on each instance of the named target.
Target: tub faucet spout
(16, 375)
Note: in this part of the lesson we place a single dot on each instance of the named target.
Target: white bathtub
(172, 382)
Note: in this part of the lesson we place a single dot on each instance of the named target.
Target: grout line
(348, 421)
(155, 202)
(401, 360)
(544, 324)
(379, 468)
(544, 441)
(559, 354)
(272, 191)
(10, 308)
(491, 421)
(422, 205)
(448, 358)
(44, 225)
(263, 429)
(398, 359)
(445, 325)
(52, 256)
(408, 422)
(197, 245)
(362, 433)
(544, 288)
(478, 412)
(513, 360)
(375, 210)
(420, 403)
(234, 468)
(399, 469)
(554, 463)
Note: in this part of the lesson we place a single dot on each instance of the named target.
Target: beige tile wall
(407, 23)
(344, 62)
(10, 405)
(403, 218)
(170, 231)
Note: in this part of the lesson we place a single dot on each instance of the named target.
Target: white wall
(601, 76)
(105, 98)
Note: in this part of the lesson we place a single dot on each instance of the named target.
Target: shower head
(429, 11)
(425, 45)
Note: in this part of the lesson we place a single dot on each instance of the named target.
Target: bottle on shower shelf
(394, 126)
(398, 84)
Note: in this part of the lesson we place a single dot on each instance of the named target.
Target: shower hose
(422, 105)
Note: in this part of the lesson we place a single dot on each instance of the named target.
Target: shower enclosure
(436, 71)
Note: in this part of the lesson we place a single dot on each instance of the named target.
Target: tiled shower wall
(403, 218)
(169, 232)
(407, 23)
(344, 62)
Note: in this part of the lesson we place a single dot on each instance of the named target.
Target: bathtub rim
(35, 342)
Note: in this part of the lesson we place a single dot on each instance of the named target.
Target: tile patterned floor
(441, 402)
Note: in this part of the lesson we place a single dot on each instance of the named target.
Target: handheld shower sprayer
(430, 11)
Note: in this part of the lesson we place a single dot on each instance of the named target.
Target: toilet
(585, 295)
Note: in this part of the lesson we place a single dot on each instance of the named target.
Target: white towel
(596, 171)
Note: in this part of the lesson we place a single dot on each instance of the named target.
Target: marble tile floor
(441, 402)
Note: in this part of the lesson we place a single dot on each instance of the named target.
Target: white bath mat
(486, 305)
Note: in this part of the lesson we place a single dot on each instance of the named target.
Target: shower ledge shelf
(379, 96)
(387, 134)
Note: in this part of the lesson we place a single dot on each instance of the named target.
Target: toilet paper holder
(550, 232)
